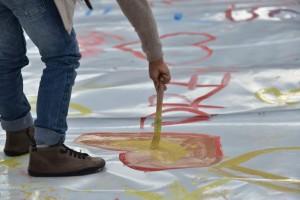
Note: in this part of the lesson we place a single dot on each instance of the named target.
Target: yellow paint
(253, 172)
(50, 198)
(10, 163)
(234, 165)
(157, 131)
(271, 185)
(158, 119)
(31, 191)
(250, 155)
(146, 195)
(178, 192)
(274, 96)
(81, 109)
(167, 152)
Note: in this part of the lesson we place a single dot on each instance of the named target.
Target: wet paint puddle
(176, 150)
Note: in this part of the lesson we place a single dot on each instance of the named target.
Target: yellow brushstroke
(146, 195)
(167, 152)
(250, 155)
(10, 163)
(195, 195)
(279, 97)
(234, 165)
(158, 118)
(50, 198)
(83, 110)
(157, 131)
(269, 185)
(254, 172)
(179, 192)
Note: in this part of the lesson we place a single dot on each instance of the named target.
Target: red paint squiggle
(201, 45)
(275, 12)
(190, 106)
(230, 10)
(90, 44)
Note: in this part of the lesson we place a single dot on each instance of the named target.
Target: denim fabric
(59, 51)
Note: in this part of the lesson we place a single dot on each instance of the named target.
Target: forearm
(141, 17)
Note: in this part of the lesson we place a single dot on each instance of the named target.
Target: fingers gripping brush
(157, 121)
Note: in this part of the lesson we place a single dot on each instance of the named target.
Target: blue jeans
(59, 51)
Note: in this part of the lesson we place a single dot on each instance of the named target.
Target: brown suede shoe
(18, 142)
(60, 160)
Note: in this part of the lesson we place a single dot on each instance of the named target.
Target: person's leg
(14, 107)
(60, 53)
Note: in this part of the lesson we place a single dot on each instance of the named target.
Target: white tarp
(231, 111)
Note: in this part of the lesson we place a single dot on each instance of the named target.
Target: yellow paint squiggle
(274, 96)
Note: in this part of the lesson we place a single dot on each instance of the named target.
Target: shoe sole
(15, 153)
(91, 170)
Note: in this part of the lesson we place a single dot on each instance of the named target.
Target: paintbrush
(157, 121)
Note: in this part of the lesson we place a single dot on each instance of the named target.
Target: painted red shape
(200, 45)
(190, 106)
(202, 150)
(275, 12)
(230, 10)
(90, 44)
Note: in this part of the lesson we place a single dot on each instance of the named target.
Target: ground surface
(231, 114)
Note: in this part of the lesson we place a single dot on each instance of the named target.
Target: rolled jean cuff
(18, 124)
(49, 137)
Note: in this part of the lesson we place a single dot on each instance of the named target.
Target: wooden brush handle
(157, 121)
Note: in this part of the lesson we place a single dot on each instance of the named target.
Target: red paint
(255, 15)
(192, 84)
(275, 12)
(190, 106)
(200, 45)
(90, 44)
(195, 144)
(230, 10)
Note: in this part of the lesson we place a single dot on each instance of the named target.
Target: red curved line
(189, 105)
(187, 121)
(116, 37)
(254, 14)
(229, 16)
(279, 10)
(228, 13)
(223, 84)
(186, 84)
(193, 82)
(227, 77)
(202, 115)
(201, 45)
(152, 98)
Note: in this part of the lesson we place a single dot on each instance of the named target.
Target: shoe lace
(73, 153)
